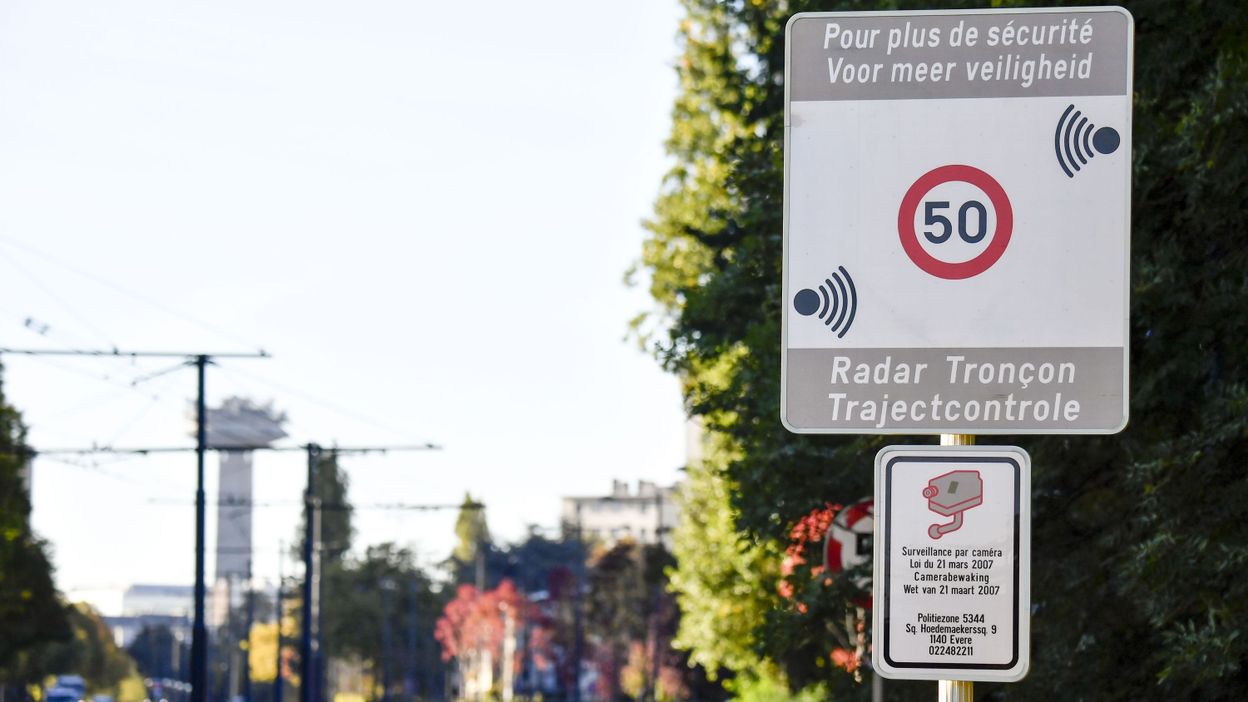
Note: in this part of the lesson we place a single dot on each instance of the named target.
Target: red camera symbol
(950, 495)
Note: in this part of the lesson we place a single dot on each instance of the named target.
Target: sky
(424, 213)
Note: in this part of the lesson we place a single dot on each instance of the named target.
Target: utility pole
(311, 581)
(251, 617)
(387, 596)
(310, 643)
(409, 669)
(277, 674)
(199, 632)
(577, 625)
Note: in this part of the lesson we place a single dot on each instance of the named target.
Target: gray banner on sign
(955, 390)
(991, 54)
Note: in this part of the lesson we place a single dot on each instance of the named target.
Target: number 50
(931, 217)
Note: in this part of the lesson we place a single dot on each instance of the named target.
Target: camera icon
(950, 495)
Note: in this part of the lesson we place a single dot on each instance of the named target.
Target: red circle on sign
(910, 237)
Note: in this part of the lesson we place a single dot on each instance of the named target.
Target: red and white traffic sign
(848, 541)
(983, 222)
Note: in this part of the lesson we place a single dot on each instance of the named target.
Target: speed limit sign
(984, 222)
(956, 221)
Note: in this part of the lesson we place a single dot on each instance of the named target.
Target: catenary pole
(956, 690)
(277, 659)
(246, 652)
(199, 632)
(308, 634)
(578, 627)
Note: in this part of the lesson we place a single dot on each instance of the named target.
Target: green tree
(158, 653)
(1140, 539)
(724, 584)
(30, 612)
(331, 488)
(539, 563)
(383, 588)
(88, 651)
(615, 608)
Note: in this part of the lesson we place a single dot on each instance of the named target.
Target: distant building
(154, 606)
(645, 515)
(241, 424)
(165, 600)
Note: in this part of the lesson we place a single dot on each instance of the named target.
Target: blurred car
(61, 694)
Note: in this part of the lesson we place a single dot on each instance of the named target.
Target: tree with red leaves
(805, 554)
(473, 630)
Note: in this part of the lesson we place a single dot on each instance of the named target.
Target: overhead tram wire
(322, 402)
(224, 334)
(335, 506)
(199, 631)
(34, 280)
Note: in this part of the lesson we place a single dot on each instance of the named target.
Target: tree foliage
(473, 622)
(631, 620)
(31, 613)
(725, 584)
(1140, 539)
(159, 654)
(88, 651)
(471, 530)
(331, 487)
(474, 630)
(382, 595)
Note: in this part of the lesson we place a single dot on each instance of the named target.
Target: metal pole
(653, 681)
(318, 633)
(409, 665)
(578, 634)
(277, 673)
(251, 616)
(480, 564)
(386, 587)
(956, 690)
(199, 634)
(307, 652)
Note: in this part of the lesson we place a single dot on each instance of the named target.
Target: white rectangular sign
(952, 582)
(957, 221)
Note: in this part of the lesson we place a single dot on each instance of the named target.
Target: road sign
(957, 220)
(952, 581)
(848, 541)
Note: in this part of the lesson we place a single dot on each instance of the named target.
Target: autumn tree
(474, 630)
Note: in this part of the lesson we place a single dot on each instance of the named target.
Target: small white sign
(952, 578)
